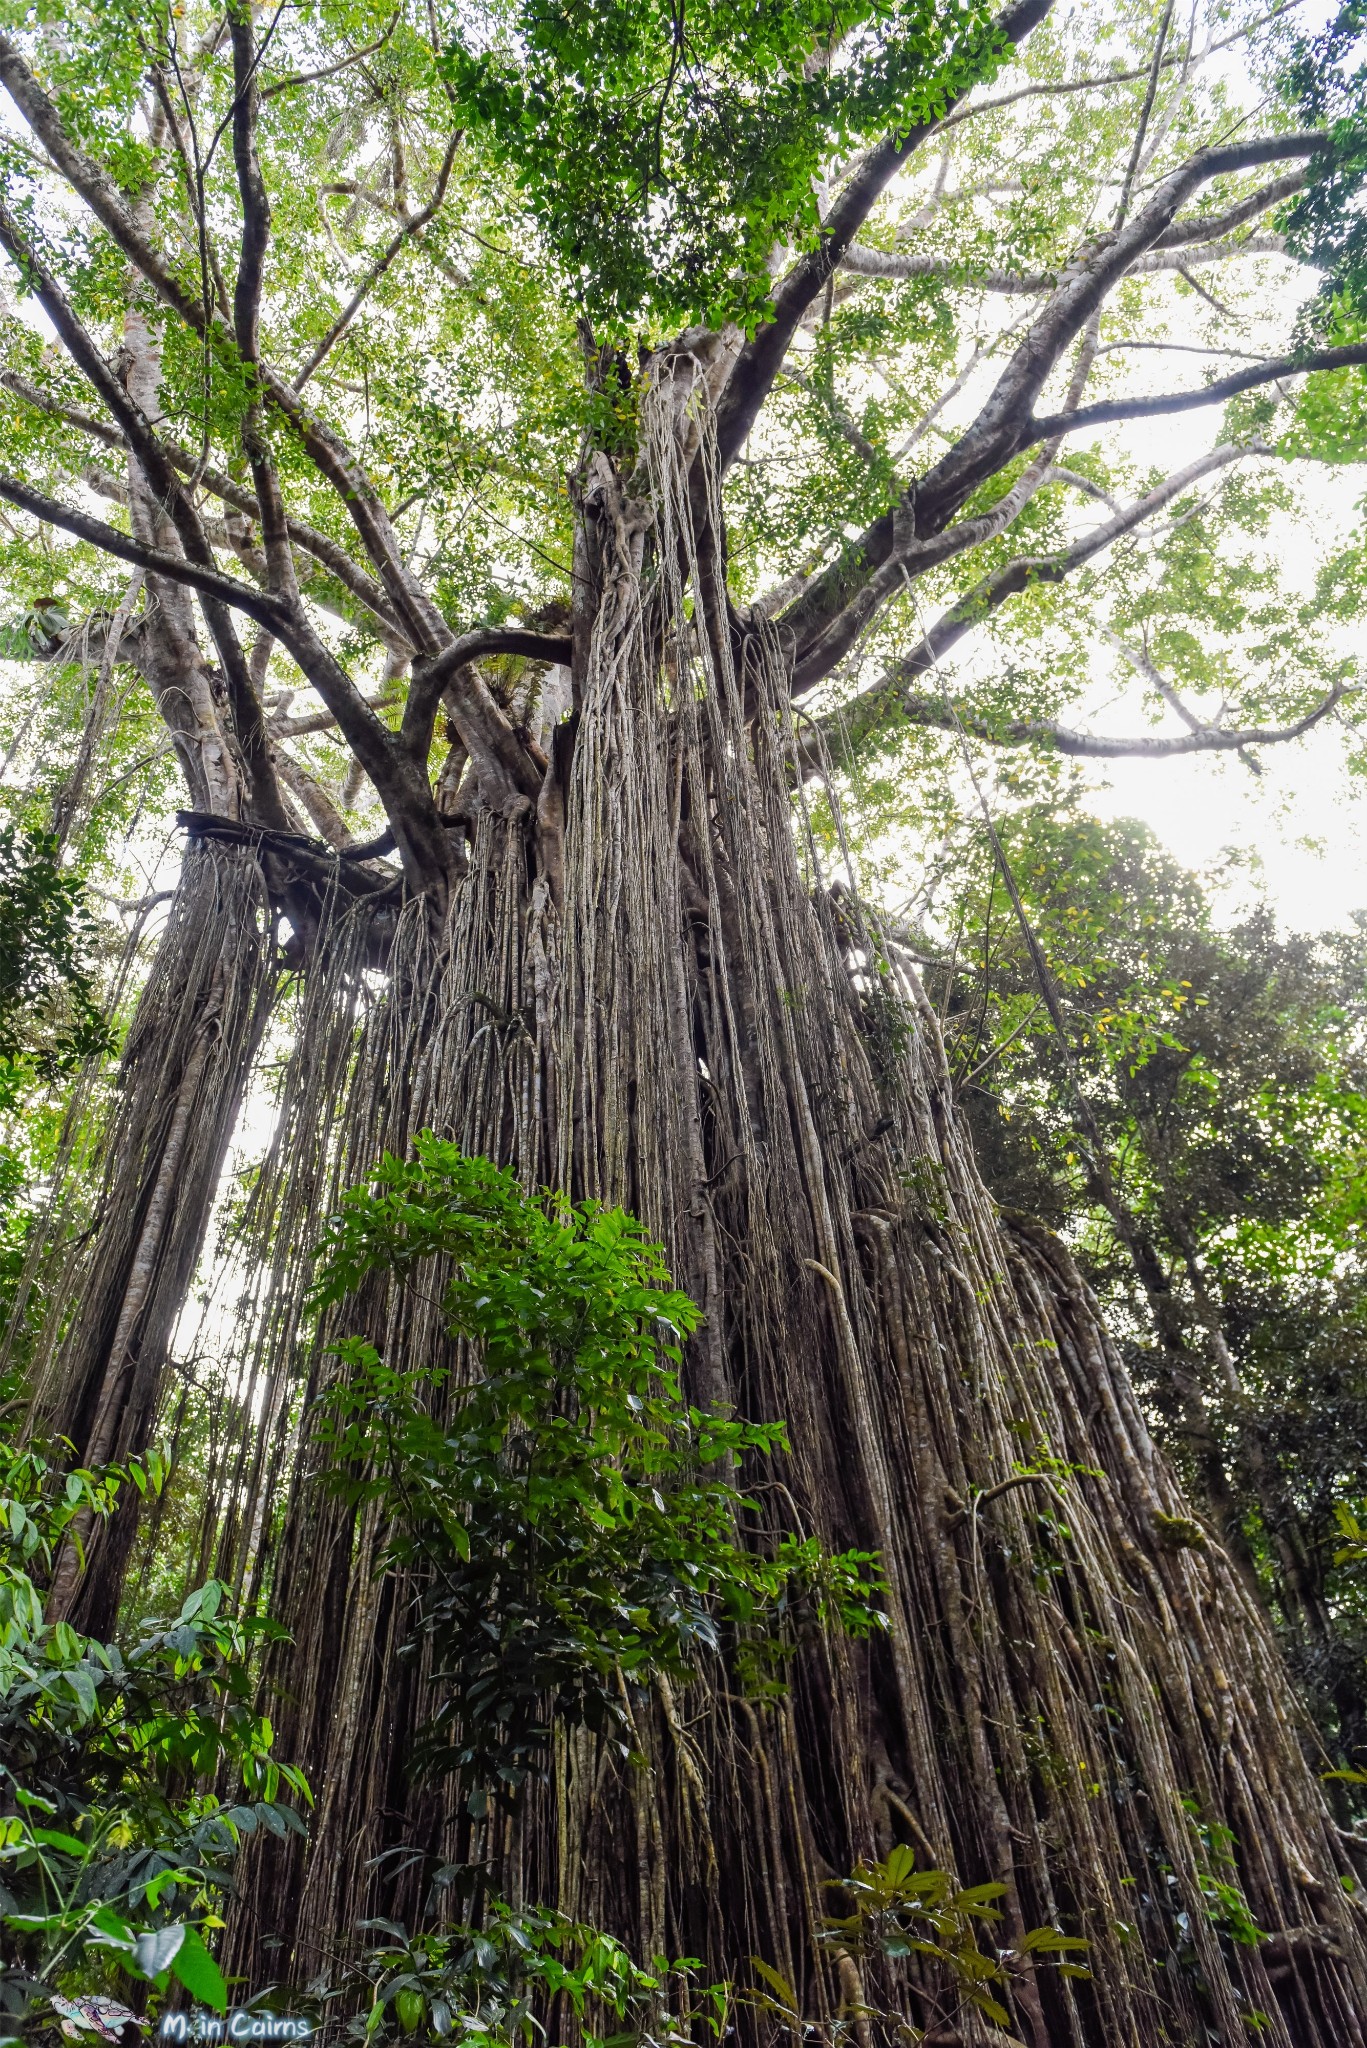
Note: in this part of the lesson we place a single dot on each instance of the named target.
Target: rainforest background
(683, 1325)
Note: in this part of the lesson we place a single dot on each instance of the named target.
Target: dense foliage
(116, 1847)
(1200, 1131)
(663, 150)
(565, 1512)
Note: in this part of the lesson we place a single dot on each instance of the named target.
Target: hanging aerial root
(120, 1267)
(1075, 1698)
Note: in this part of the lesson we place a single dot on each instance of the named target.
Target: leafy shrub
(565, 1513)
(114, 1848)
(899, 1914)
(484, 1987)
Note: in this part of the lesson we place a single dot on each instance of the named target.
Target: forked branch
(833, 611)
(761, 359)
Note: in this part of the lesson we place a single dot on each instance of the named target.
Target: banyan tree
(535, 459)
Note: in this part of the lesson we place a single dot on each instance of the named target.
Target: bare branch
(1214, 227)
(251, 270)
(323, 721)
(355, 188)
(1181, 260)
(1144, 664)
(759, 362)
(1215, 393)
(834, 607)
(251, 186)
(1150, 92)
(309, 791)
(906, 556)
(413, 225)
(859, 260)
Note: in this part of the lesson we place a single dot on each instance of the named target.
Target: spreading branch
(761, 359)
(325, 447)
(896, 264)
(835, 742)
(896, 695)
(412, 226)
(324, 550)
(1005, 424)
(1102, 81)
(836, 607)
(431, 679)
(1272, 372)
(267, 609)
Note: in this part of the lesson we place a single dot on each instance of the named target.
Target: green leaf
(1048, 1940)
(199, 1973)
(775, 1982)
(54, 1839)
(115, 1931)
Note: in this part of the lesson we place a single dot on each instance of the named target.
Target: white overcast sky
(1304, 821)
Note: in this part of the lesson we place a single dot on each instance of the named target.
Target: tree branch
(1108, 410)
(759, 362)
(251, 271)
(850, 725)
(1213, 227)
(251, 187)
(165, 489)
(1100, 81)
(298, 78)
(413, 225)
(840, 418)
(1004, 425)
(328, 552)
(92, 182)
(487, 735)
(267, 609)
(70, 415)
(284, 728)
(404, 793)
(906, 556)
(892, 263)
(919, 709)
(322, 443)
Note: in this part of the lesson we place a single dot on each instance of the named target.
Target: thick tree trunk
(123, 1281)
(189, 1053)
(646, 994)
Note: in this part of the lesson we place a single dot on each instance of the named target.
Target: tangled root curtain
(646, 990)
